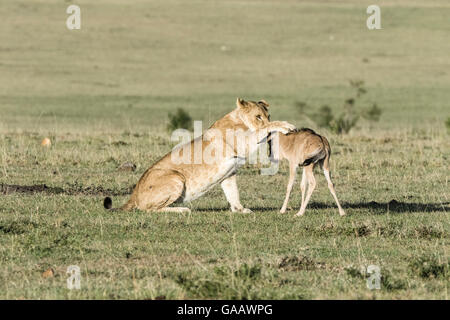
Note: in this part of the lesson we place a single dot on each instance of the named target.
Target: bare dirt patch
(12, 188)
(71, 190)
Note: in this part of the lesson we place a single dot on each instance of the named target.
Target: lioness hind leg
(160, 192)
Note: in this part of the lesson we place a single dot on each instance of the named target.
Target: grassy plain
(102, 94)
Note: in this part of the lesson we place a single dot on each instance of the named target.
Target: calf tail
(321, 155)
(316, 156)
(325, 163)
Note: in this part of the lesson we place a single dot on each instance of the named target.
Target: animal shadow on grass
(400, 207)
(392, 206)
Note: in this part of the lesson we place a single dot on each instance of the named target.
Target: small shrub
(387, 282)
(224, 281)
(361, 230)
(343, 124)
(391, 284)
(301, 106)
(447, 124)
(346, 120)
(323, 117)
(359, 86)
(373, 113)
(428, 232)
(295, 263)
(355, 273)
(17, 227)
(429, 267)
(248, 272)
(180, 120)
(203, 288)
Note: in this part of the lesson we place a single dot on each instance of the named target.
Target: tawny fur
(165, 182)
(306, 148)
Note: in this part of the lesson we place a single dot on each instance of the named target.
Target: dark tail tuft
(107, 203)
(315, 157)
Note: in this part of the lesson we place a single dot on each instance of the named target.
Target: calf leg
(308, 170)
(332, 191)
(303, 184)
(292, 173)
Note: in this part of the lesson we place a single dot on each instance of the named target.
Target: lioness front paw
(241, 210)
(288, 126)
(283, 126)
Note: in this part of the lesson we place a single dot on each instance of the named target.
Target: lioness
(167, 182)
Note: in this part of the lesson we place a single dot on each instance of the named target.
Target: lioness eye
(258, 117)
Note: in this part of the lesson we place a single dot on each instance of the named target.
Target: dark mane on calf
(302, 130)
(306, 130)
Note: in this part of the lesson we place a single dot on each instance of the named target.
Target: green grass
(103, 93)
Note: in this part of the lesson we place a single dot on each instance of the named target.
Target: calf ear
(240, 103)
(263, 103)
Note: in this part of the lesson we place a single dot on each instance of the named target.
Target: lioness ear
(240, 103)
(263, 103)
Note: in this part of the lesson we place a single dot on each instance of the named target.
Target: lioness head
(255, 115)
